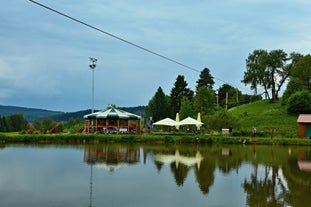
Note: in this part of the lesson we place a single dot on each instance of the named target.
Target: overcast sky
(44, 57)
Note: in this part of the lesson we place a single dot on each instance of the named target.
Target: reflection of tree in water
(180, 172)
(205, 175)
(266, 191)
(158, 165)
(228, 163)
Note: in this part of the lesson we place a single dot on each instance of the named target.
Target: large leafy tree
(269, 70)
(256, 70)
(302, 71)
(180, 90)
(300, 80)
(205, 100)
(206, 79)
(158, 106)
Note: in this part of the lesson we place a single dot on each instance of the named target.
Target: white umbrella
(199, 120)
(177, 121)
(166, 122)
(189, 121)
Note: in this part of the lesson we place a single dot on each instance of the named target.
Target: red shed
(304, 125)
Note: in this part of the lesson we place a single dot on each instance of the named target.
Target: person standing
(254, 131)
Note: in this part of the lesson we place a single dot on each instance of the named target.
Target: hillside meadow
(265, 116)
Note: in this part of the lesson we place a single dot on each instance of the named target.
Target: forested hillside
(29, 114)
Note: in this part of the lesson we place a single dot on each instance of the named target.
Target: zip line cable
(124, 40)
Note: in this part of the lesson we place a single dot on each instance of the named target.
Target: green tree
(37, 124)
(158, 106)
(186, 108)
(178, 91)
(234, 95)
(206, 79)
(3, 124)
(302, 71)
(16, 122)
(47, 124)
(256, 70)
(222, 119)
(72, 122)
(269, 70)
(204, 101)
(293, 86)
(299, 102)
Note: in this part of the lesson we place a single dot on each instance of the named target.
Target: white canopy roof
(166, 122)
(190, 121)
(112, 113)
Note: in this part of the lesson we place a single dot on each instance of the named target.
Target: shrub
(299, 102)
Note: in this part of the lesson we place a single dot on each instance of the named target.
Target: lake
(130, 175)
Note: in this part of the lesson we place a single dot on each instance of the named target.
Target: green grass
(155, 139)
(264, 116)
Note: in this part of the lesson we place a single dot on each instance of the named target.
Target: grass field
(266, 116)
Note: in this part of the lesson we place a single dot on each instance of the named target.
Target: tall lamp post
(92, 67)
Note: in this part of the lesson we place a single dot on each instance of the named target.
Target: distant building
(304, 125)
(112, 121)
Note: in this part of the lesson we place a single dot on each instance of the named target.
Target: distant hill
(139, 110)
(31, 114)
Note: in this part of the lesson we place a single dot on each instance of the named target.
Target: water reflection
(304, 161)
(111, 157)
(155, 175)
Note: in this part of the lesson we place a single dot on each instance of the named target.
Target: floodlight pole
(92, 67)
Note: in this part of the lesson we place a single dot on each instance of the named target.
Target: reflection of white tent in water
(177, 158)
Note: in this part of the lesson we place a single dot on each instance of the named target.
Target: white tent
(166, 122)
(190, 121)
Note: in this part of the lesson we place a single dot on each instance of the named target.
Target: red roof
(304, 118)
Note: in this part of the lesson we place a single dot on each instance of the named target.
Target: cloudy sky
(44, 57)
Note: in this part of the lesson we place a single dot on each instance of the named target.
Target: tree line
(17, 123)
(267, 71)
(204, 100)
(12, 123)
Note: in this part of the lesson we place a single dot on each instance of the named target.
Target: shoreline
(150, 138)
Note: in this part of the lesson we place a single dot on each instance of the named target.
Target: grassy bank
(265, 116)
(83, 138)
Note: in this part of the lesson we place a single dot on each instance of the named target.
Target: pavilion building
(112, 120)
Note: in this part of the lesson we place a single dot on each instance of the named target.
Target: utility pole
(226, 100)
(92, 67)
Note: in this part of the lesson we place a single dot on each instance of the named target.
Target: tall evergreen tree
(178, 91)
(158, 106)
(206, 79)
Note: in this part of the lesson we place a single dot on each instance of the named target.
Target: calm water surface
(154, 175)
